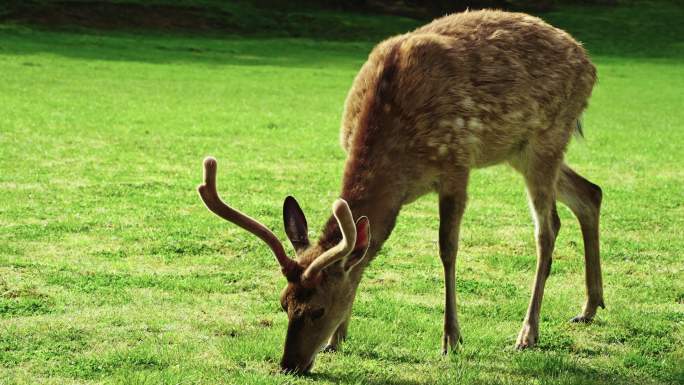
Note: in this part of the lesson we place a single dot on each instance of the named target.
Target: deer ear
(362, 243)
(295, 224)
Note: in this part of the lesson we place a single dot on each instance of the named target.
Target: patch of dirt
(104, 15)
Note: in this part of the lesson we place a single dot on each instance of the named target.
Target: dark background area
(635, 28)
(259, 17)
(433, 8)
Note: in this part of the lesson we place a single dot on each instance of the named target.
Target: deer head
(319, 292)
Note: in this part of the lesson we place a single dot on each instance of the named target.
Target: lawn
(112, 270)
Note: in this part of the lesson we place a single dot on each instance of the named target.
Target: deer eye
(316, 314)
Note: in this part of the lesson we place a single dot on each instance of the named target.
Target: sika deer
(466, 91)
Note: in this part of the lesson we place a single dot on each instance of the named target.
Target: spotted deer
(466, 91)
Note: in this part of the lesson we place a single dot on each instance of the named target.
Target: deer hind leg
(452, 201)
(584, 199)
(540, 174)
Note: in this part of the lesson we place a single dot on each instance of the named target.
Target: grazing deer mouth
(293, 368)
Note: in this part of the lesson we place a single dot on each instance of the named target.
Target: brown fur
(466, 91)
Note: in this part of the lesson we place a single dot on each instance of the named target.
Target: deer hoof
(329, 349)
(527, 338)
(451, 342)
(582, 319)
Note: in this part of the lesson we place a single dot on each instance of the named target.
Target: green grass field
(112, 270)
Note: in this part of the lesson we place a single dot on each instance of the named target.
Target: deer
(466, 91)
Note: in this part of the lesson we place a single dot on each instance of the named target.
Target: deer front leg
(451, 206)
(338, 336)
(547, 224)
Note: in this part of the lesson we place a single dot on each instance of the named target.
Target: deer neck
(379, 199)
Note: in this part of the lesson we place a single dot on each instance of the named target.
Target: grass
(112, 271)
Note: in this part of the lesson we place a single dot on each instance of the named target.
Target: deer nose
(292, 367)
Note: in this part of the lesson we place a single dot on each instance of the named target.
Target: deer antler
(211, 199)
(344, 218)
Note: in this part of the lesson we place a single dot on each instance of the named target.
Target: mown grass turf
(112, 271)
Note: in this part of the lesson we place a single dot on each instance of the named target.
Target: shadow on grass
(356, 380)
(641, 31)
(544, 366)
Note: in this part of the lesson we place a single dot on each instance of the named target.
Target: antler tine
(211, 199)
(345, 220)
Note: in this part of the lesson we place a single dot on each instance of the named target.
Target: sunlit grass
(112, 271)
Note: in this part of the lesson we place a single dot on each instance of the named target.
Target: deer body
(466, 91)
(471, 89)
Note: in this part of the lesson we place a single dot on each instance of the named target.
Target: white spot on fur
(515, 115)
(459, 123)
(485, 108)
(474, 124)
(534, 121)
(496, 34)
(467, 103)
(472, 140)
(445, 124)
(475, 146)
